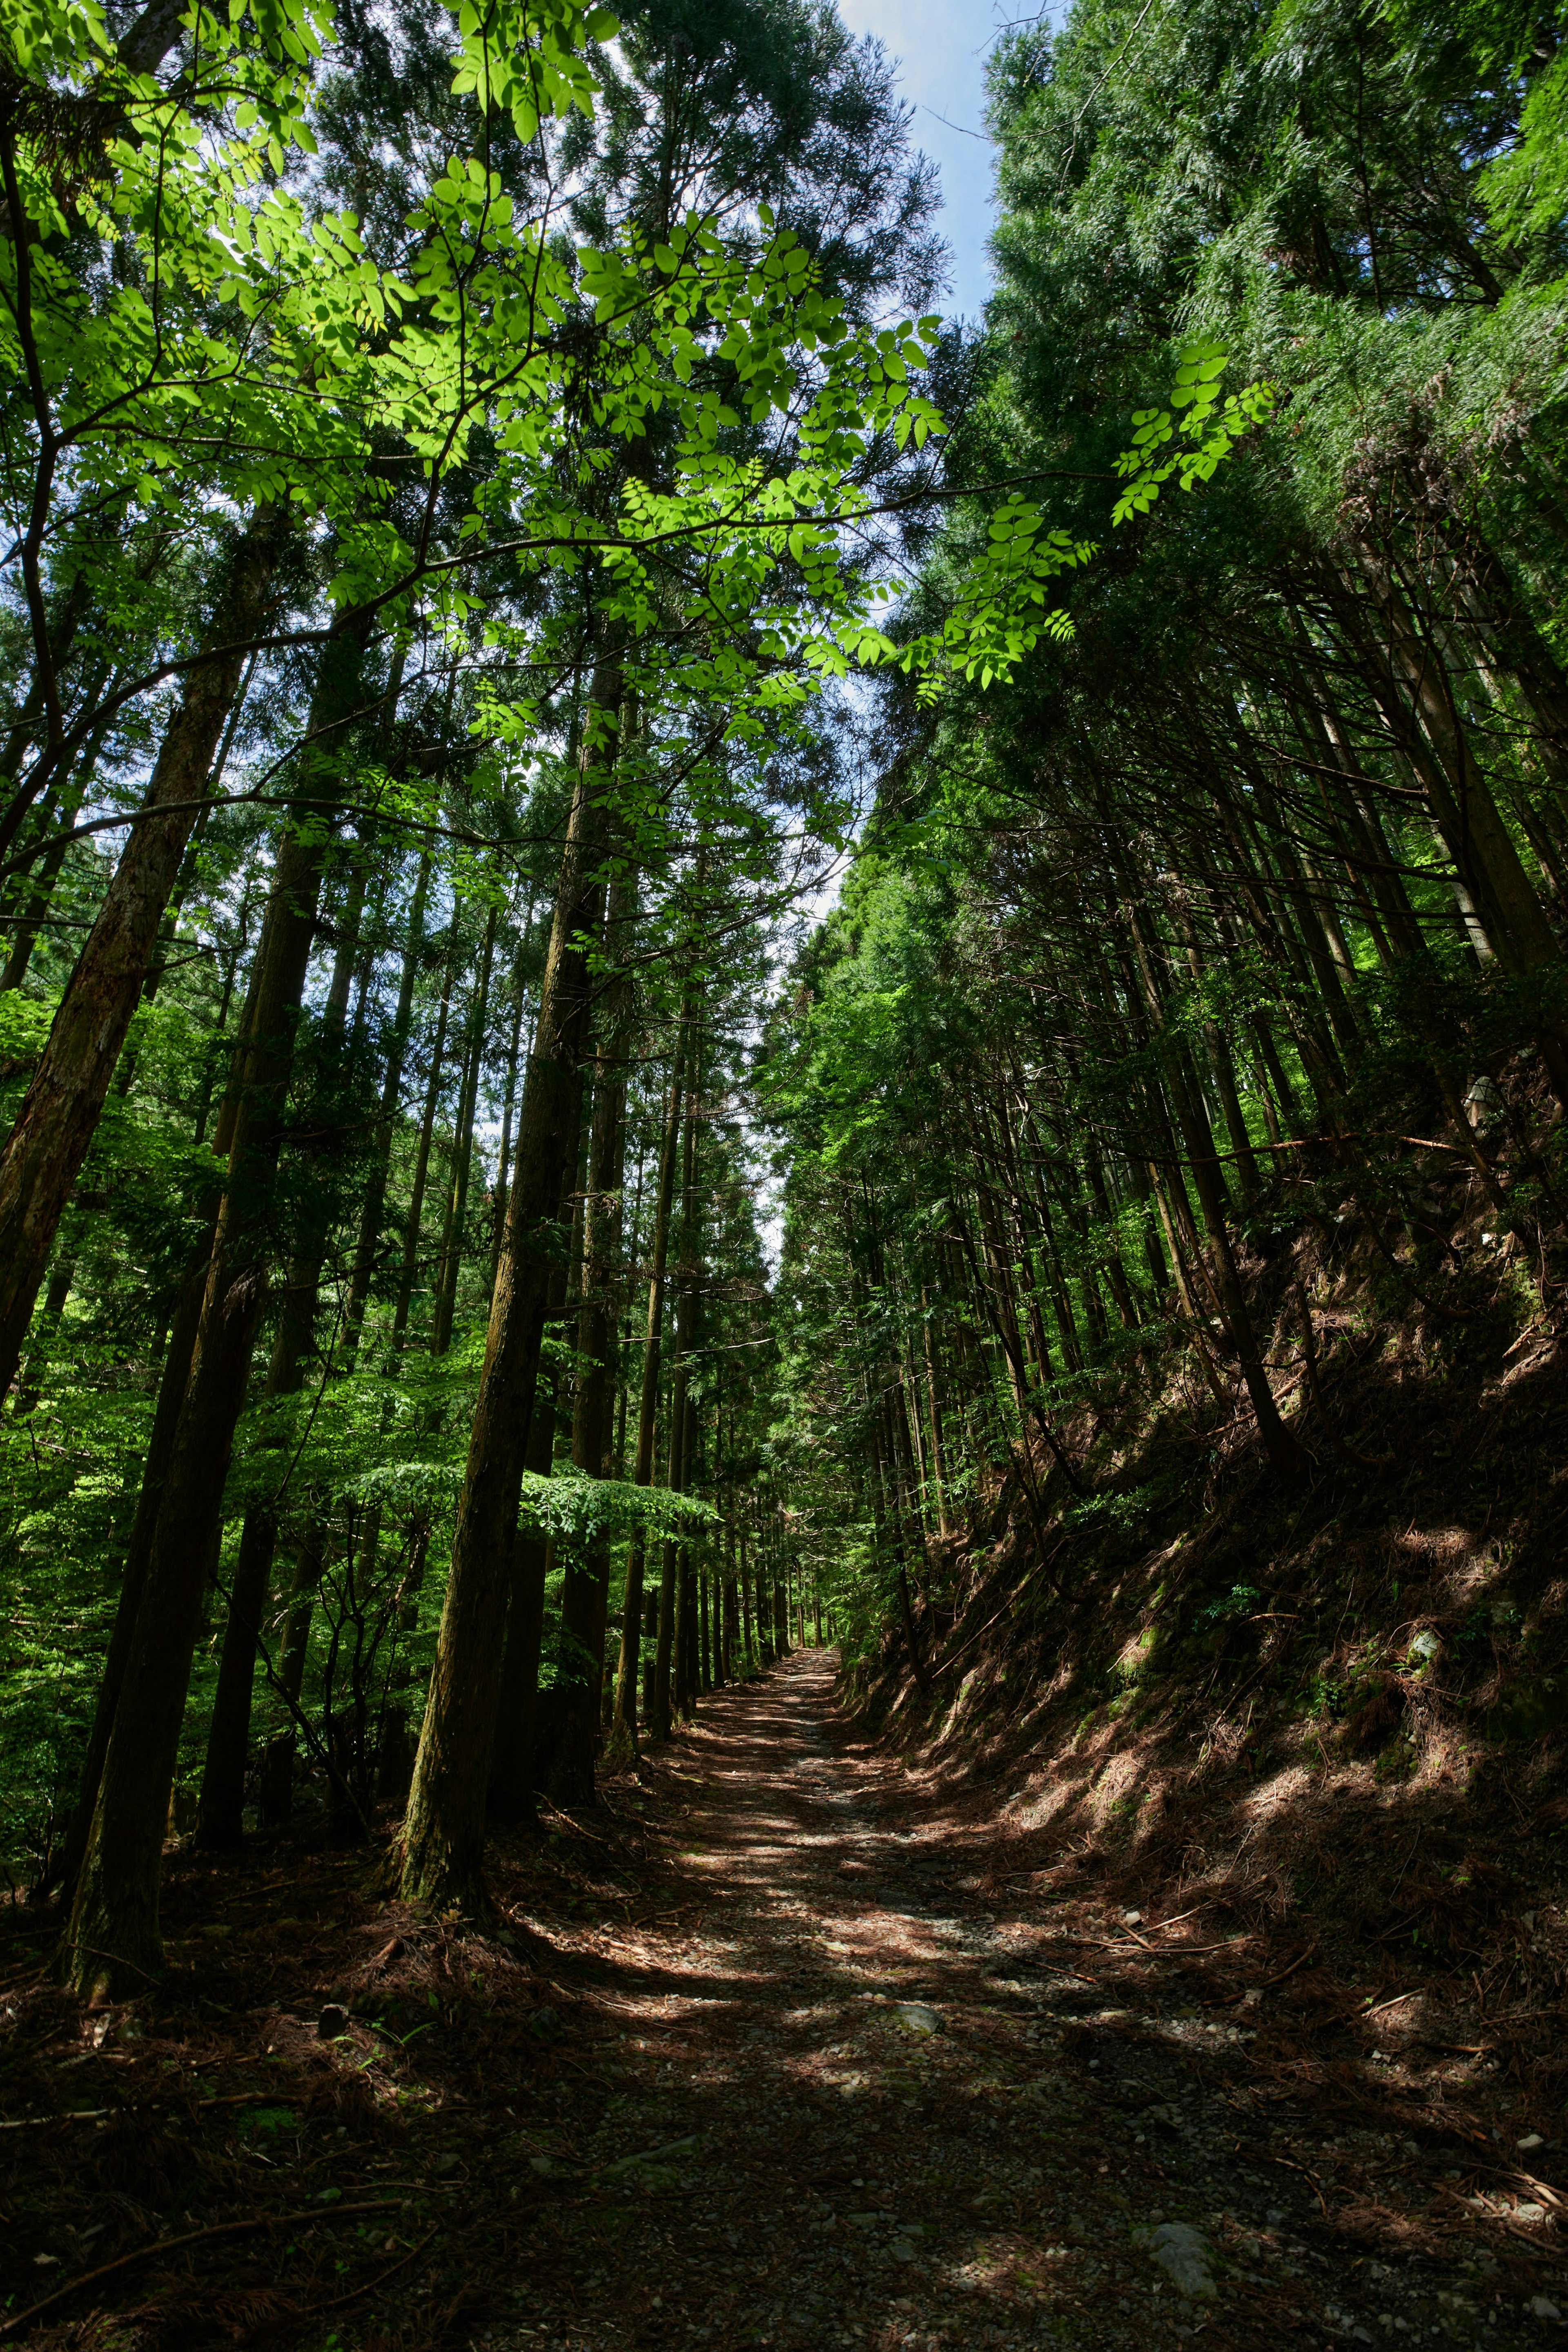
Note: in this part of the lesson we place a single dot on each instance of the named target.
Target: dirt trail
(916, 2124)
(767, 2051)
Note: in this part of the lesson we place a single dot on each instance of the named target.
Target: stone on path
(915, 2018)
(1183, 2254)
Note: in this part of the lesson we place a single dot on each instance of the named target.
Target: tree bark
(462, 1154)
(626, 1676)
(661, 1720)
(220, 1821)
(510, 1795)
(60, 1111)
(441, 1852)
(113, 1935)
(584, 1593)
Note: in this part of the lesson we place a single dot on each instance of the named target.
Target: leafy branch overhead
(1212, 430)
(252, 350)
(575, 1512)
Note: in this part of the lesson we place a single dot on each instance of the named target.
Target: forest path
(904, 2122)
(778, 2045)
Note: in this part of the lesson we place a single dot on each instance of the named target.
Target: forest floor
(776, 2047)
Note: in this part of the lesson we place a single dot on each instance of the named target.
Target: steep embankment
(1321, 1724)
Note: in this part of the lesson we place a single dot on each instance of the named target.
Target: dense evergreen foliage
(1239, 921)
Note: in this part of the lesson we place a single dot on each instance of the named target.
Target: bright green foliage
(1212, 430)
(1175, 886)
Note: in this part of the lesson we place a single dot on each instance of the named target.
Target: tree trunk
(1411, 682)
(462, 1154)
(704, 1655)
(1222, 1069)
(309, 1564)
(660, 1723)
(310, 1558)
(749, 1649)
(41, 889)
(1284, 1453)
(442, 1854)
(660, 1720)
(510, 1793)
(374, 1206)
(178, 1351)
(933, 1407)
(60, 1111)
(31, 720)
(113, 1934)
(421, 1157)
(593, 1428)
(160, 1445)
(887, 1517)
(626, 1677)
(688, 1672)
(513, 1760)
(220, 1824)
(514, 1055)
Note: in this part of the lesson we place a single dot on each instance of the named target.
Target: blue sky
(942, 47)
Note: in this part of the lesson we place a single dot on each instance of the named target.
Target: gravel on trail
(774, 2046)
(881, 2112)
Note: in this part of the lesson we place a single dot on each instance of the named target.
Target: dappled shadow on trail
(760, 2052)
(921, 2118)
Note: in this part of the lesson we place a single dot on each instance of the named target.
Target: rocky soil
(770, 2050)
